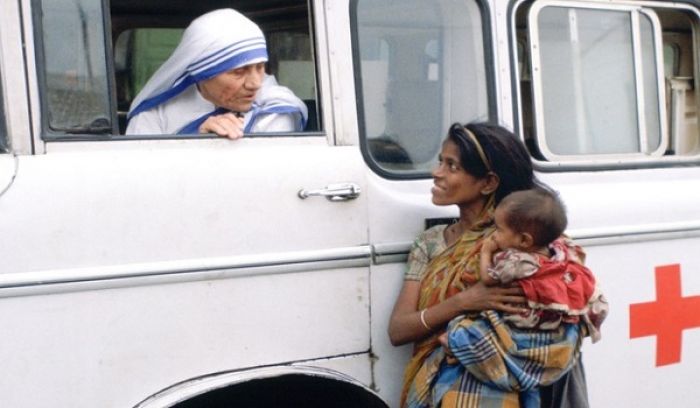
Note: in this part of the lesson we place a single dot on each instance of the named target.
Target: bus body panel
(132, 266)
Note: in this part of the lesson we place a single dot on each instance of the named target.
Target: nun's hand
(225, 125)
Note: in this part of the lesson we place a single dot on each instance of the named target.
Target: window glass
(421, 68)
(291, 62)
(74, 64)
(588, 82)
(671, 59)
(138, 53)
(150, 48)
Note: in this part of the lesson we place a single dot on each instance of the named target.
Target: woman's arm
(406, 326)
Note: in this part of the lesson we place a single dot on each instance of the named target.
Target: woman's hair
(505, 154)
(539, 212)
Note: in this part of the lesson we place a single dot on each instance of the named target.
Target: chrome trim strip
(110, 277)
(385, 253)
(637, 233)
(107, 277)
(631, 239)
(398, 252)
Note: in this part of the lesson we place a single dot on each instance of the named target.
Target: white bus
(188, 271)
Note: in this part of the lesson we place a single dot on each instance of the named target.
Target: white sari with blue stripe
(214, 43)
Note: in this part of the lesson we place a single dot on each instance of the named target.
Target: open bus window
(420, 66)
(586, 70)
(140, 52)
(144, 37)
(606, 84)
(74, 72)
(89, 76)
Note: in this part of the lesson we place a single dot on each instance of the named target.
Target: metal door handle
(333, 192)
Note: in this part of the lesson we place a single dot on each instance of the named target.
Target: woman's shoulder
(435, 233)
(426, 246)
(432, 240)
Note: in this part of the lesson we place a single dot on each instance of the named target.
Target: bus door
(132, 263)
(419, 66)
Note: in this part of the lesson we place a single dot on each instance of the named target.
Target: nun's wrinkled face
(235, 89)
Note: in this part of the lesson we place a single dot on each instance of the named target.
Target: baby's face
(504, 236)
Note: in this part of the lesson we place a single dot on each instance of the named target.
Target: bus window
(145, 39)
(73, 70)
(420, 66)
(587, 68)
(84, 67)
(606, 85)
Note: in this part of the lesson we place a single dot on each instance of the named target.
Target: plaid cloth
(499, 366)
(448, 273)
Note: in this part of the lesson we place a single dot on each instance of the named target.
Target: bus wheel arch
(286, 386)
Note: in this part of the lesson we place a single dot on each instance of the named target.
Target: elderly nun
(215, 82)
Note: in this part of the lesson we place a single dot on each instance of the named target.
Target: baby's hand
(449, 357)
(489, 246)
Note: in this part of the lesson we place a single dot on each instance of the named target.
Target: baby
(525, 248)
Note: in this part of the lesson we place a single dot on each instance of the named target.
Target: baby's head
(529, 219)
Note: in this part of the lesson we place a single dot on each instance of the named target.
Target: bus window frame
(537, 83)
(48, 135)
(607, 161)
(488, 36)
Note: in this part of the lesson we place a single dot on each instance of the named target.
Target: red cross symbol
(667, 317)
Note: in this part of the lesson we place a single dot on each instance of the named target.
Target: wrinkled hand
(481, 297)
(226, 125)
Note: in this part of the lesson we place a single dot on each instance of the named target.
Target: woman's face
(235, 89)
(451, 183)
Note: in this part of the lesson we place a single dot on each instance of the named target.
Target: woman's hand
(481, 297)
(406, 326)
(226, 125)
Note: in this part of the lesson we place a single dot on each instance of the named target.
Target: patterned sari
(499, 366)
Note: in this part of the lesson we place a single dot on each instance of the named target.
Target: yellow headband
(479, 150)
